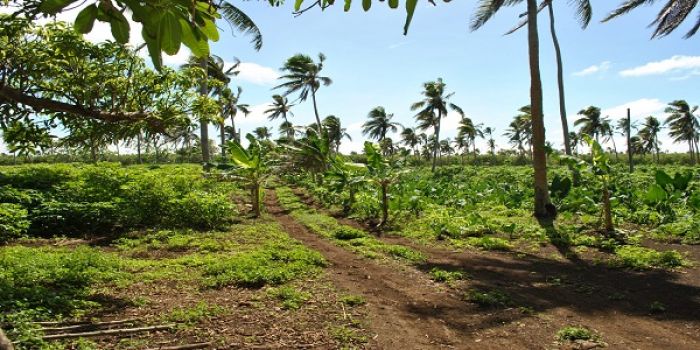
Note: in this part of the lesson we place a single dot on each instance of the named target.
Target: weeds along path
(406, 311)
(553, 292)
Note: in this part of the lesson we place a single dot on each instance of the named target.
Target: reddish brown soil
(555, 293)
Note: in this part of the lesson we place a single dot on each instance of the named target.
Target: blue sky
(611, 65)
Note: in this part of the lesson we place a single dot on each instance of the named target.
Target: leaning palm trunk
(222, 135)
(319, 127)
(436, 144)
(560, 80)
(539, 157)
(203, 125)
(5, 343)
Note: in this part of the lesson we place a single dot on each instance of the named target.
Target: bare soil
(550, 293)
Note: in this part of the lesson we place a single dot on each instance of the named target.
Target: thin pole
(629, 140)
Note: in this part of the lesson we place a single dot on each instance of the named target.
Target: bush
(38, 177)
(199, 210)
(74, 219)
(492, 298)
(347, 233)
(25, 198)
(13, 221)
(646, 258)
(571, 333)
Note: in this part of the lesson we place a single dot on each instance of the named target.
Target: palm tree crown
(379, 124)
(303, 75)
(683, 125)
(591, 122)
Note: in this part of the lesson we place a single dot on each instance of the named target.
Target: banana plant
(599, 166)
(380, 171)
(667, 190)
(250, 166)
(343, 175)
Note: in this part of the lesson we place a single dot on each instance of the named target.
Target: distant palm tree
(231, 107)
(281, 108)
(433, 108)
(287, 130)
(608, 133)
(575, 140)
(446, 147)
(514, 133)
(262, 133)
(674, 12)
(379, 124)
(683, 126)
(410, 139)
(590, 122)
(303, 75)
(519, 131)
(649, 135)
(461, 143)
(488, 131)
(336, 133)
(386, 145)
(470, 131)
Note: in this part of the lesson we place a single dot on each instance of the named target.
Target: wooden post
(629, 140)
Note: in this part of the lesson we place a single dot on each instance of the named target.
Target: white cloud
(257, 74)
(176, 60)
(356, 145)
(596, 68)
(355, 127)
(675, 64)
(638, 108)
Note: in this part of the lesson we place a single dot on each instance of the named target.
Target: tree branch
(8, 94)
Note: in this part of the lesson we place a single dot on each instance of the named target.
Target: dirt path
(406, 310)
(614, 302)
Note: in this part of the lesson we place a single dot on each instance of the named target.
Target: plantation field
(460, 263)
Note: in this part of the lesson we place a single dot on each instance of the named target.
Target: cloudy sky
(611, 65)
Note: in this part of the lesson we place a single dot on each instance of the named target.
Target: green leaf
(153, 48)
(366, 4)
(169, 33)
(393, 3)
(655, 194)
(53, 7)
(209, 29)
(410, 8)
(194, 39)
(86, 19)
(120, 27)
(346, 8)
(681, 182)
(662, 179)
(297, 4)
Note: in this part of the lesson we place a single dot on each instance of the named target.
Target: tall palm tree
(470, 131)
(590, 122)
(239, 21)
(303, 75)
(488, 132)
(608, 133)
(231, 107)
(461, 143)
(519, 131)
(487, 8)
(446, 147)
(584, 12)
(281, 108)
(410, 139)
(336, 133)
(649, 135)
(287, 130)
(673, 13)
(433, 108)
(262, 133)
(379, 124)
(683, 126)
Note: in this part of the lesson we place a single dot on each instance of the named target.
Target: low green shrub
(440, 275)
(573, 333)
(347, 233)
(74, 219)
(199, 210)
(490, 243)
(291, 298)
(645, 258)
(489, 298)
(13, 221)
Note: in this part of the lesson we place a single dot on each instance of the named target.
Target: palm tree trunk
(203, 125)
(255, 198)
(612, 138)
(436, 144)
(560, 80)
(318, 119)
(539, 160)
(607, 210)
(223, 141)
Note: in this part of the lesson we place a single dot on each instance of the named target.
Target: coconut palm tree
(433, 108)
(608, 133)
(470, 131)
(287, 130)
(486, 10)
(239, 21)
(488, 133)
(683, 126)
(673, 13)
(379, 124)
(515, 134)
(649, 135)
(590, 122)
(461, 143)
(336, 133)
(281, 108)
(410, 139)
(446, 147)
(231, 107)
(262, 133)
(303, 75)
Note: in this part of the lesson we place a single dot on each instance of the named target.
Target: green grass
(352, 300)
(444, 276)
(645, 258)
(573, 333)
(189, 316)
(489, 298)
(291, 298)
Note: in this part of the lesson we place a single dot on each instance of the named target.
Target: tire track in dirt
(406, 310)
